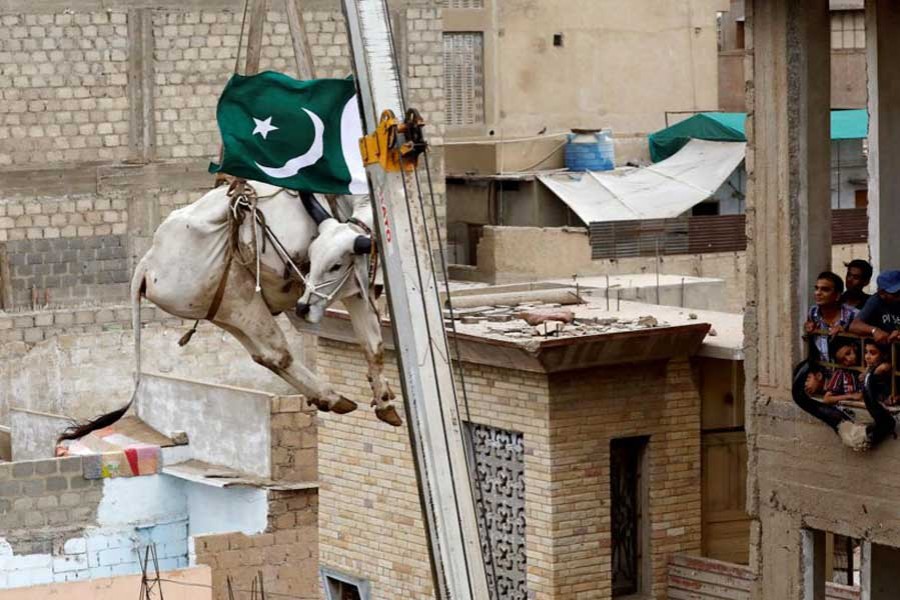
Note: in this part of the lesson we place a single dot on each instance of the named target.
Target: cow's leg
(367, 327)
(244, 314)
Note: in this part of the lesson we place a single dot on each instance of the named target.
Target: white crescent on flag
(307, 159)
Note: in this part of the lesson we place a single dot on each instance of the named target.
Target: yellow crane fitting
(384, 147)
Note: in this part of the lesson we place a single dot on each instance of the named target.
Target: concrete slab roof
(725, 339)
(599, 336)
(219, 476)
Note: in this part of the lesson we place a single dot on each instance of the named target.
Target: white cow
(188, 273)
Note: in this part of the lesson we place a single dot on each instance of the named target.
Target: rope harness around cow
(244, 201)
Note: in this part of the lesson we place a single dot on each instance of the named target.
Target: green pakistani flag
(301, 135)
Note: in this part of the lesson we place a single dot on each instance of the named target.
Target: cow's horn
(314, 209)
(362, 244)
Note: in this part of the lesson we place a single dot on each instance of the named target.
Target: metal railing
(861, 367)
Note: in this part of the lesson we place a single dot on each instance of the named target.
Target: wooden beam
(256, 21)
(142, 123)
(305, 68)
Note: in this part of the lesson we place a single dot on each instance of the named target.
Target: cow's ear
(361, 272)
(362, 245)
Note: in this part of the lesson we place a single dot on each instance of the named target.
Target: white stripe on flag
(351, 131)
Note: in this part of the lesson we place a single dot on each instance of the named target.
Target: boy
(880, 317)
(828, 314)
(877, 361)
(844, 383)
(814, 383)
(859, 274)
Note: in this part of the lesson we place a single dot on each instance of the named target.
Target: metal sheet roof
(661, 191)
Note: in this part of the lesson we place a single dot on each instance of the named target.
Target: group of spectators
(875, 317)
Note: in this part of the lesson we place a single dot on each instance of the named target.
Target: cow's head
(338, 267)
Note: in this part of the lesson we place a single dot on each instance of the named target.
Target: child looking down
(844, 382)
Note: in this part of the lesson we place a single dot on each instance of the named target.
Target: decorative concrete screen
(500, 490)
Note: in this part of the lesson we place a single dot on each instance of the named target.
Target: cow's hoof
(389, 415)
(343, 406)
(319, 403)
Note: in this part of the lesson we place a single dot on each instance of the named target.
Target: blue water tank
(590, 150)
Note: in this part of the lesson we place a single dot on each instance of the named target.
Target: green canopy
(729, 127)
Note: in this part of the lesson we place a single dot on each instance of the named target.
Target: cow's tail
(79, 430)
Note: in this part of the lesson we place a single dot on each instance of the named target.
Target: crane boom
(408, 255)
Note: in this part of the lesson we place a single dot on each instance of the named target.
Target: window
(848, 29)
(464, 77)
(343, 587)
(627, 505)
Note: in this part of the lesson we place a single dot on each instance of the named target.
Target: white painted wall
(141, 500)
(222, 510)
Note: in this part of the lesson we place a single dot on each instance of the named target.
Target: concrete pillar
(815, 557)
(780, 563)
(884, 572)
(789, 233)
(789, 198)
(883, 48)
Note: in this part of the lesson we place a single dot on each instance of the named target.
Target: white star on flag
(263, 127)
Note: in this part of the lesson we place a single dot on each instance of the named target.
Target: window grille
(499, 458)
(626, 502)
(452, 4)
(464, 77)
(848, 29)
(339, 586)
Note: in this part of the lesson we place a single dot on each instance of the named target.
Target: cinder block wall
(368, 490)
(294, 440)
(109, 123)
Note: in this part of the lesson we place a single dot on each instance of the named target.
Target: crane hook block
(395, 145)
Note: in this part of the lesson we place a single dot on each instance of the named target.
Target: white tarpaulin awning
(663, 190)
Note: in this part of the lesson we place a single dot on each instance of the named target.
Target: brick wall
(658, 400)
(294, 441)
(286, 553)
(425, 91)
(368, 490)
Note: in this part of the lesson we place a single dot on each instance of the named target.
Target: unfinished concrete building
(803, 484)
